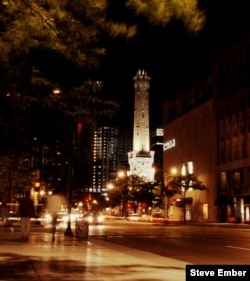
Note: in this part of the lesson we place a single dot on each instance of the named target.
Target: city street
(125, 140)
(197, 244)
(121, 250)
(191, 243)
(69, 258)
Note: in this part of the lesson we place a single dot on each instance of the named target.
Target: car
(146, 218)
(134, 217)
(94, 218)
(158, 217)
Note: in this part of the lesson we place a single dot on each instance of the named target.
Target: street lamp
(110, 186)
(56, 91)
(167, 179)
(121, 175)
(68, 231)
(185, 181)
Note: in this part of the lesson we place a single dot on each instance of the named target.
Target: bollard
(82, 229)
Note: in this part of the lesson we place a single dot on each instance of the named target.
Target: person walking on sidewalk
(4, 213)
(26, 212)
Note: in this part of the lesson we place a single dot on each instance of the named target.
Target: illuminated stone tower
(141, 158)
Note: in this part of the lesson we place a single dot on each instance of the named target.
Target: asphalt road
(194, 244)
(71, 259)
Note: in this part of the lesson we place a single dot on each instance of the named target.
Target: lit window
(190, 167)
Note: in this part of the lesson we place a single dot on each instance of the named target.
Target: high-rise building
(141, 157)
(105, 144)
(110, 147)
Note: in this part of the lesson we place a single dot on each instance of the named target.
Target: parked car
(94, 218)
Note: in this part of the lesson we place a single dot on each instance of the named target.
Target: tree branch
(45, 21)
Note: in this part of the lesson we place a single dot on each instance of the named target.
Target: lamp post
(109, 186)
(179, 185)
(68, 231)
(124, 189)
(167, 178)
(186, 182)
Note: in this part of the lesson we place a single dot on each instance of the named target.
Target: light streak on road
(240, 248)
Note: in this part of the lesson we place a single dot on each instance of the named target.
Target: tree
(38, 39)
(48, 45)
(141, 191)
(15, 177)
(115, 196)
(180, 185)
(42, 41)
(73, 32)
(160, 12)
(131, 190)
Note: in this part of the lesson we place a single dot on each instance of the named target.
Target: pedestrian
(5, 212)
(26, 212)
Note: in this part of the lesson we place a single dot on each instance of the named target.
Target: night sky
(171, 55)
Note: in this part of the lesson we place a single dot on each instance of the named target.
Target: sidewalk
(72, 259)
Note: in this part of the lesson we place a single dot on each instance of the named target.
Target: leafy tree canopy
(49, 42)
(161, 12)
(55, 46)
(181, 184)
(132, 188)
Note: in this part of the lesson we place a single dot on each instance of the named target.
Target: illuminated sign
(159, 132)
(169, 144)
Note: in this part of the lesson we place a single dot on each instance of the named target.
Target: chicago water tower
(141, 158)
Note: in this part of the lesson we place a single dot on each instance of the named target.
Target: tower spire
(141, 158)
(141, 111)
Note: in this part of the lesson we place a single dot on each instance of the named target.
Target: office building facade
(189, 143)
(209, 127)
(232, 95)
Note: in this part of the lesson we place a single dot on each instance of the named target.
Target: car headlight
(65, 219)
(48, 218)
(90, 219)
(100, 218)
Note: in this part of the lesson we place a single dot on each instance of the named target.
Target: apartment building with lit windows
(109, 148)
(105, 148)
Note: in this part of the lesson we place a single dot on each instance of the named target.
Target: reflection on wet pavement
(72, 259)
